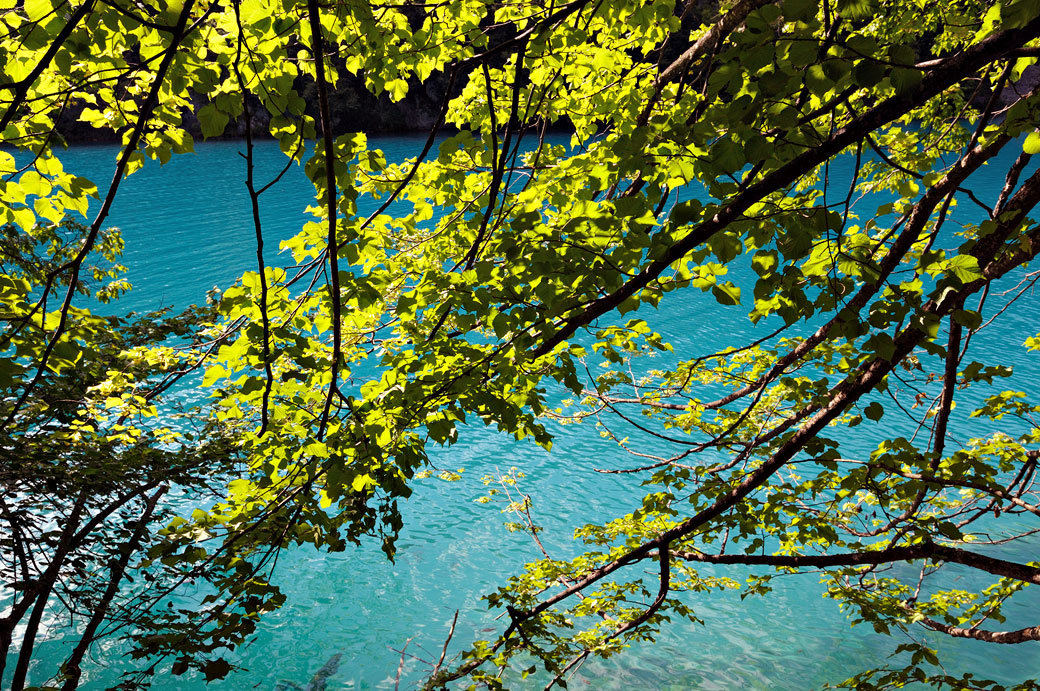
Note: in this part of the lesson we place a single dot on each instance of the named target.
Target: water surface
(188, 227)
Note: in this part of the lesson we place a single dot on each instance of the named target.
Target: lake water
(188, 227)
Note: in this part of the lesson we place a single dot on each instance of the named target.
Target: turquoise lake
(187, 228)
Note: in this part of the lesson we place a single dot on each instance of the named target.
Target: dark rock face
(353, 108)
(75, 131)
(1012, 92)
(1030, 80)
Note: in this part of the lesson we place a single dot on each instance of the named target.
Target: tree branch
(941, 77)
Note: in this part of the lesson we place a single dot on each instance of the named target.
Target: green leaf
(37, 9)
(800, 10)
(1032, 143)
(965, 267)
(212, 121)
(856, 9)
(968, 318)
(216, 669)
(726, 293)
(867, 73)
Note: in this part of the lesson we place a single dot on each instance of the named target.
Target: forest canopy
(812, 165)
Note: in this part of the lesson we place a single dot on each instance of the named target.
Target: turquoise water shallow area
(187, 227)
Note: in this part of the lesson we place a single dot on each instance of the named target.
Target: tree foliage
(501, 268)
